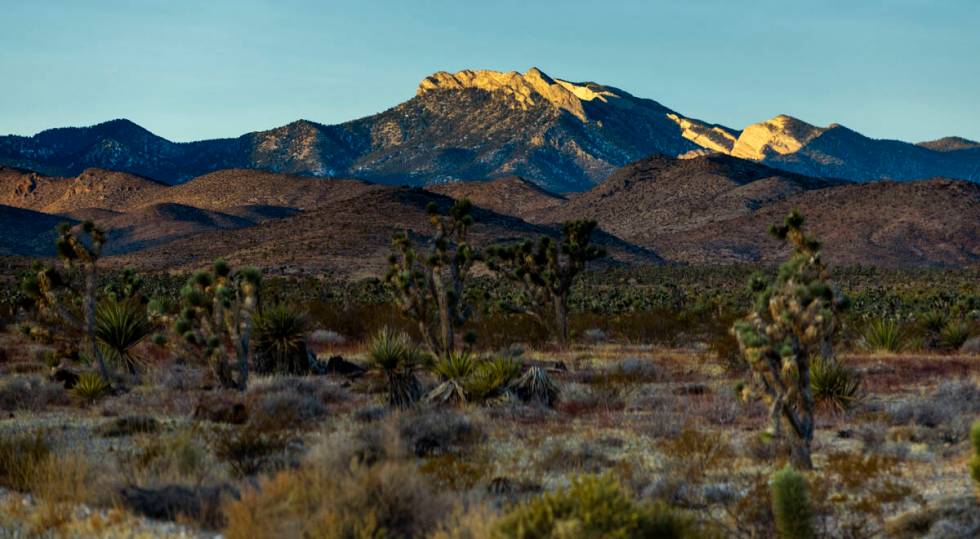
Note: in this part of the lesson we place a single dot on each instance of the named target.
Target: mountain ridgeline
(478, 125)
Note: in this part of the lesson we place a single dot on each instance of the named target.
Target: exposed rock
(170, 502)
(971, 346)
(780, 135)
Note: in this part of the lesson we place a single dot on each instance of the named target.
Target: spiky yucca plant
(120, 326)
(536, 386)
(90, 387)
(954, 334)
(394, 354)
(834, 383)
(884, 335)
(280, 340)
(490, 378)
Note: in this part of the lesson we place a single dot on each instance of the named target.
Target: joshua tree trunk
(561, 319)
(91, 279)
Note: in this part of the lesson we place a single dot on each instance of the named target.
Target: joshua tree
(218, 308)
(794, 318)
(546, 271)
(59, 302)
(429, 285)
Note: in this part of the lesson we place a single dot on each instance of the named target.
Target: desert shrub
(390, 500)
(119, 327)
(954, 334)
(695, 453)
(560, 455)
(395, 355)
(975, 459)
(323, 388)
(129, 425)
(952, 403)
(284, 410)
(456, 472)
(90, 387)
(834, 384)
(167, 457)
(791, 505)
(581, 399)
(854, 492)
(249, 450)
(884, 335)
(438, 431)
(21, 459)
(280, 340)
(30, 393)
(593, 506)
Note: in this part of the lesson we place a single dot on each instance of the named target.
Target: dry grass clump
(21, 459)
(387, 499)
(179, 456)
(30, 392)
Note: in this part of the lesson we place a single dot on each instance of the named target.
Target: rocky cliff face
(561, 135)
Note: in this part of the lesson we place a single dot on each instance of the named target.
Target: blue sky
(906, 69)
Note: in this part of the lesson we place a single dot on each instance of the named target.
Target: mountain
(715, 209)
(658, 197)
(349, 237)
(560, 135)
(707, 209)
(893, 224)
(791, 144)
(512, 195)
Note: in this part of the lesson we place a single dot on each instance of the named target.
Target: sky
(903, 69)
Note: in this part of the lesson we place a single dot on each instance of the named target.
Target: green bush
(884, 335)
(593, 506)
(791, 505)
(834, 384)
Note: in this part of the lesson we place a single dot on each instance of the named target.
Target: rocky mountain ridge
(563, 136)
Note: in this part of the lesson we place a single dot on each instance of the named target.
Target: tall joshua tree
(546, 271)
(218, 309)
(59, 302)
(428, 284)
(794, 318)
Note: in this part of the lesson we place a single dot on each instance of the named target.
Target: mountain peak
(781, 135)
(949, 144)
(527, 90)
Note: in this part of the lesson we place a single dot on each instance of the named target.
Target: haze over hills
(478, 125)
